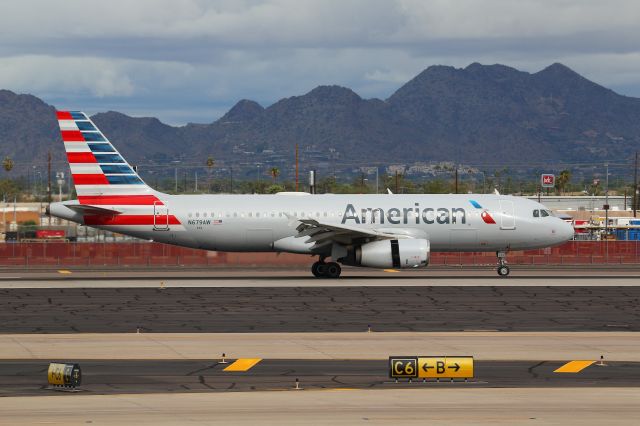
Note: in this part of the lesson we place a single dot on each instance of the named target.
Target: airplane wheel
(315, 269)
(503, 271)
(333, 270)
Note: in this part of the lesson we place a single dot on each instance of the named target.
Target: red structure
(141, 255)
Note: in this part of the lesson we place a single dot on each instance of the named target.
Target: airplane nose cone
(566, 231)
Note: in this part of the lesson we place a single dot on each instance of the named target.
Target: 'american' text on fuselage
(405, 215)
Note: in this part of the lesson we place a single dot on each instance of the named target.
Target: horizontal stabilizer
(93, 210)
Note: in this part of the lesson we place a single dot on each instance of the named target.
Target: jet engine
(403, 253)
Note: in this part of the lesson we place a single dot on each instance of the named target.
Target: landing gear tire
(332, 270)
(503, 270)
(319, 269)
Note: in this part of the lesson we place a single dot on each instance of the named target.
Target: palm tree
(210, 163)
(563, 180)
(275, 172)
(7, 163)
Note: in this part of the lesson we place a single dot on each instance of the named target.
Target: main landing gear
(503, 269)
(326, 270)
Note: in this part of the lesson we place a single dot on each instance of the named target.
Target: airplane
(366, 230)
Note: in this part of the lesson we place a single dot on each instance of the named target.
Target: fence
(143, 254)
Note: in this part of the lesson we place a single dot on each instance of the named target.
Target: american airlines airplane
(376, 231)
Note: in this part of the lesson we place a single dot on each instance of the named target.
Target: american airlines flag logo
(485, 215)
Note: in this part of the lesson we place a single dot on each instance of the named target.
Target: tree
(210, 163)
(7, 163)
(563, 180)
(274, 172)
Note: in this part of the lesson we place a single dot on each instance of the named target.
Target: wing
(322, 234)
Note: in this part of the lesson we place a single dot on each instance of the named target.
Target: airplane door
(160, 217)
(507, 215)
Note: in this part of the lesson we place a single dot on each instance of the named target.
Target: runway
(319, 309)
(149, 343)
(21, 378)
(586, 276)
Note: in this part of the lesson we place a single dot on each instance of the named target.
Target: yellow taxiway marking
(390, 270)
(573, 367)
(64, 271)
(243, 364)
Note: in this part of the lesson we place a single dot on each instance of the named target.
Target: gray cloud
(190, 60)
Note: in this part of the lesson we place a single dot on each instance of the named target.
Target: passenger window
(190, 215)
(197, 214)
(235, 214)
(536, 213)
(204, 214)
(325, 214)
(544, 213)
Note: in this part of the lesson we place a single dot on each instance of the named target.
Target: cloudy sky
(190, 60)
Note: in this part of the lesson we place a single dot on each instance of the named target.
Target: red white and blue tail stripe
(110, 192)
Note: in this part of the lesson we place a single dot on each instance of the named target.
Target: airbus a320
(375, 231)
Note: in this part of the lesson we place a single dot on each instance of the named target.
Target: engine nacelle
(403, 253)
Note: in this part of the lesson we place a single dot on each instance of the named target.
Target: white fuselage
(268, 222)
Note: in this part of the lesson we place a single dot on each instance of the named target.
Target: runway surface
(319, 309)
(614, 275)
(505, 346)
(113, 377)
(415, 406)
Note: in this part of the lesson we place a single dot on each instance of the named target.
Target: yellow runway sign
(431, 367)
(441, 367)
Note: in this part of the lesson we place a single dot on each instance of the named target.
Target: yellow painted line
(390, 270)
(243, 364)
(64, 271)
(574, 367)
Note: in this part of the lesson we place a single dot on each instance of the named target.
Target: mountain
(479, 114)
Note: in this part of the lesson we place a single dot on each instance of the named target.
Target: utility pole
(176, 179)
(377, 191)
(606, 201)
(196, 181)
(49, 184)
(296, 167)
(456, 178)
(396, 182)
(635, 186)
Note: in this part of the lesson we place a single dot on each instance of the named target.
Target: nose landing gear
(321, 269)
(503, 269)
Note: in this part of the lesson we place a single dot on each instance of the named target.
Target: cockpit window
(536, 213)
(544, 213)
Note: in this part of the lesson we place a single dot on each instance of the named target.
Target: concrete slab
(585, 406)
(560, 346)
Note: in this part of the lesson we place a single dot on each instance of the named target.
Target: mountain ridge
(480, 113)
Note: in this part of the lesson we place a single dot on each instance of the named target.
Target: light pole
(606, 202)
